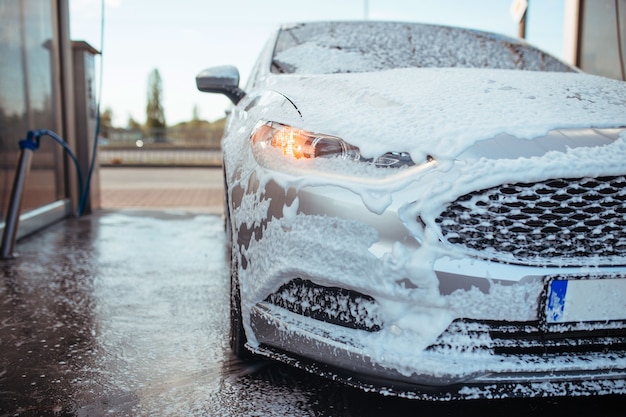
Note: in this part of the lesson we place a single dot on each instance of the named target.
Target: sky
(182, 37)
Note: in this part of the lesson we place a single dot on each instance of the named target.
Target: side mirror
(221, 80)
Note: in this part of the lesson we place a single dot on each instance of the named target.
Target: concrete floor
(117, 312)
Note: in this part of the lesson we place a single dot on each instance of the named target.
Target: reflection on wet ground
(126, 313)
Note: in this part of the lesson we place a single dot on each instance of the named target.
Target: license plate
(586, 299)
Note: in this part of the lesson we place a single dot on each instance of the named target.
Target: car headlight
(297, 143)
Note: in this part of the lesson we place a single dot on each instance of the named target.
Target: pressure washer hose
(32, 142)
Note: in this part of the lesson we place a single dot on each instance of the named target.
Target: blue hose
(32, 142)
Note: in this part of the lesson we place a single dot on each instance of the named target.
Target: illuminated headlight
(298, 143)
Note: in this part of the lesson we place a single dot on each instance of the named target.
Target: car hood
(443, 112)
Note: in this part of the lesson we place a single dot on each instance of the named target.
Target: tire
(237, 333)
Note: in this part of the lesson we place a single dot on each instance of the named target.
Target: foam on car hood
(442, 111)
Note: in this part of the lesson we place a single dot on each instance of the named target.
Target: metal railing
(170, 156)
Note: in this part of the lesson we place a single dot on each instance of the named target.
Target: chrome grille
(551, 221)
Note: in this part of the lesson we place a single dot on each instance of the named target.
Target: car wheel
(237, 332)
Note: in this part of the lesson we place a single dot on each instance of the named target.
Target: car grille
(330, 304)
(562, 220)
(530, 338)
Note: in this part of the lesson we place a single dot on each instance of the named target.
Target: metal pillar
(27, 147)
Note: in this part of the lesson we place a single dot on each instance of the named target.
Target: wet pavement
(186, 188)
(125, 313)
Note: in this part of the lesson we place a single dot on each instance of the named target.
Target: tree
(155, 115)
(196, 115)
(132, 124)
(106, 122)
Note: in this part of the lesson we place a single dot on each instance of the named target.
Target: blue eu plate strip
(556, 300)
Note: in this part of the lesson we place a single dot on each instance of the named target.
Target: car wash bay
(125, 312)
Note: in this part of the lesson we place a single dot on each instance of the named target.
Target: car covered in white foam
(427, 211)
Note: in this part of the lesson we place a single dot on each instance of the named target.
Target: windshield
(343, 47)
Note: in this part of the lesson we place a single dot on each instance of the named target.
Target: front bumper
(452, 352)
(304, 343)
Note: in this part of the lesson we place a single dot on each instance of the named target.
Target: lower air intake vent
(330, 304)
